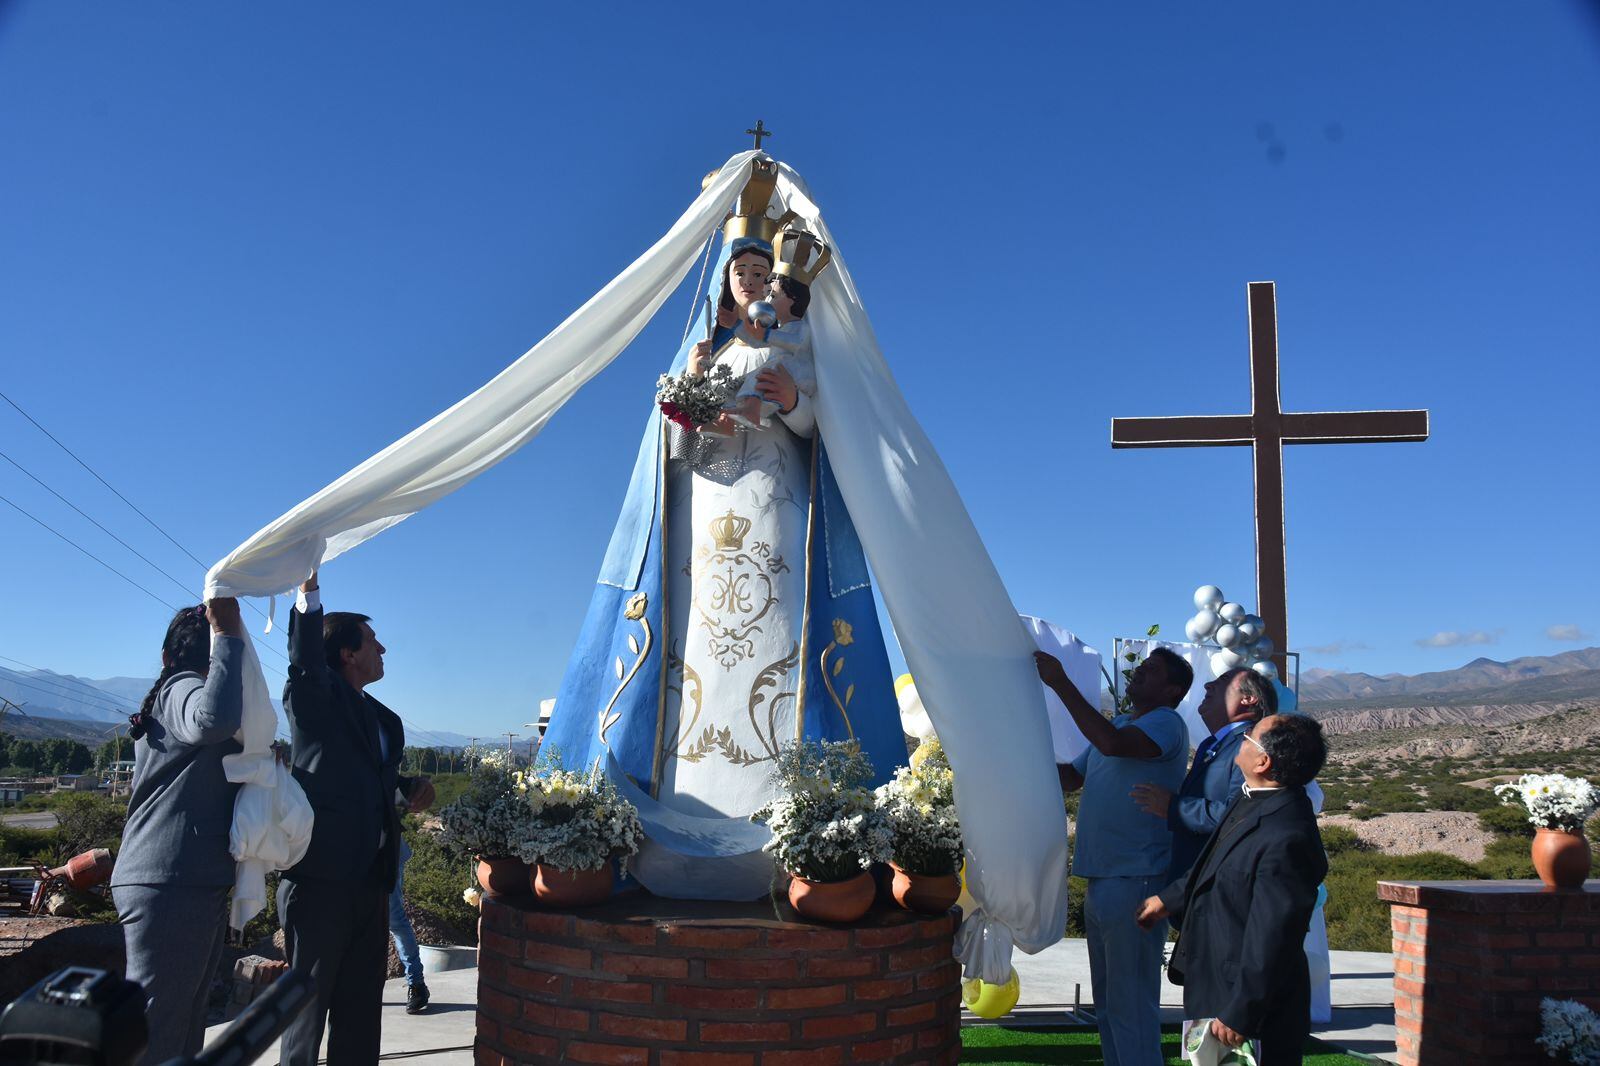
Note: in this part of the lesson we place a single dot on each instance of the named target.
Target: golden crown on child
(728, 532)
(800, 255)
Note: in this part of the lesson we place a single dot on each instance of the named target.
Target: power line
(100, 479)
(87, 552)
(120, 496)
(57, 695)
(96, 524)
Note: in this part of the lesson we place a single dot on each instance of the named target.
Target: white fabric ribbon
(271, 815)
(960, 633)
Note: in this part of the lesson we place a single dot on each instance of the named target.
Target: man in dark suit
(334, 903)
(1232, 703)
(1247, 901)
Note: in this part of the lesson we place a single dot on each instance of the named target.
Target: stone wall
(1473, 960)
(662, 983)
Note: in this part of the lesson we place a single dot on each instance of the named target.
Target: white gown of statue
(737, 517)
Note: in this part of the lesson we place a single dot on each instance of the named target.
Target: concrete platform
(1363, 1006)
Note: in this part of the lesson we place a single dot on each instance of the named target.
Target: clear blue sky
(245, 246)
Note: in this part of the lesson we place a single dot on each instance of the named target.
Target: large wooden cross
(1267, 428)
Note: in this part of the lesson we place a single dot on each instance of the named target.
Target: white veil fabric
(961, 636)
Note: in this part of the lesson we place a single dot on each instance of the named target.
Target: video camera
(80, 1016)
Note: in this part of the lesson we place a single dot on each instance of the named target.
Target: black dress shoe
(416, 998)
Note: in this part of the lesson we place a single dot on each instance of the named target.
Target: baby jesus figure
(786, 343)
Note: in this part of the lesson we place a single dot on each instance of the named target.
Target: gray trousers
(338, 932)
(174, 935)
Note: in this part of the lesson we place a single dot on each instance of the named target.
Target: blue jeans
(405, 939)
(1125, 969)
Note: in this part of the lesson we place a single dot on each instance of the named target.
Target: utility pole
(509, 738)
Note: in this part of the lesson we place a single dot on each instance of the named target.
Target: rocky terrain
(1569, 729)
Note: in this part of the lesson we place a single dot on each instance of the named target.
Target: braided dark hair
(187, 647)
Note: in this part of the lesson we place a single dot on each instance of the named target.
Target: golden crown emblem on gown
(750, 218)
(800, 255)
(728, 532)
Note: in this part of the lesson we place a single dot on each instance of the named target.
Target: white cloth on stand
(1083, 666)
(951, 613)
(271, 815)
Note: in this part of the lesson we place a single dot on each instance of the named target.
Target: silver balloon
(1206, 622)
(1207, 598)
(1223, 661)
(1227, 636)
(1250, 631)
(1231, 613)
(1257, 621)
(1266, 668)
(1192, 631)
(762, 314)
(1264, 647)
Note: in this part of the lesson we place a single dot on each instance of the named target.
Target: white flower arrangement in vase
(489, 817)
(1553, 801)
(1571, 1031)
(826, 825)
(920, 806)
(575, 820)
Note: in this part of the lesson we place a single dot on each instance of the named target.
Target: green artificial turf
(1002, 1046)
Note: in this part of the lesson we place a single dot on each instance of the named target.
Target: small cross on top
(759, 132)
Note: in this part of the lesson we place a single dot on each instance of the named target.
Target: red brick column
(1472, 960)
(670, 982)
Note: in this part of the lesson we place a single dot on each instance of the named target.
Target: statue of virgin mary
(733, 613)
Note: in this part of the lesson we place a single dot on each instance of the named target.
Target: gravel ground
(1457, 833)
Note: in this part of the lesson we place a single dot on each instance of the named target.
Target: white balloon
(1232, 613)
(1266, 668)
(1206, 622)
(914, 719)
(1264, 647)
(1249, 631)
(1208, 597)
(1191, 629)
(1257, 621)
(1223, 661)
(1227, 636)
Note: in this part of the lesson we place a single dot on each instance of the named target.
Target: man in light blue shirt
(1122, 851)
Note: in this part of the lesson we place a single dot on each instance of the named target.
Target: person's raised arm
(209, 712)
(307, 663)
(1096, 729)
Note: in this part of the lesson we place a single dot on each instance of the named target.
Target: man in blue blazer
(1233, 702)
(1246, 902)
(334, 903)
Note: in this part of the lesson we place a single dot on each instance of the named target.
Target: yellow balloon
(919, 754)
(900, 683)
(965, 900)
(991, 1001)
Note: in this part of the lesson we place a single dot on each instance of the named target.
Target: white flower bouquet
(826, 826)
(692, 401)
(920, 807)
(489, 817)
(1571, 1031)
(575, 821)
(1553, 801)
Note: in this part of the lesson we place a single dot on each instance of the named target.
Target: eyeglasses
(1257, 743)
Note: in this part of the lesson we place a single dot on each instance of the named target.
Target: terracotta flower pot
(1561, 859)
(833, 901)
(556, 887)
(925, 893)
(502, 876)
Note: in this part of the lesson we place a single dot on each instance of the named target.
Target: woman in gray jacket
(174, 870)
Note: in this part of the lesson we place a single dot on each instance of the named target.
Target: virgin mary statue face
(747, 278)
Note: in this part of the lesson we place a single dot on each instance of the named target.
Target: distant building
(77, 783)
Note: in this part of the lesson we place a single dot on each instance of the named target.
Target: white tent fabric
(271, 815)
(956, 624)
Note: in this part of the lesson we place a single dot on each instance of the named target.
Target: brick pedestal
(667, 982)
(1472, 960)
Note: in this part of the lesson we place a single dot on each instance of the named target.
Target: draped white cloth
(271, 815)
(960, 633)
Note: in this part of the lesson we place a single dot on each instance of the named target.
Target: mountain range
(1571, 676)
